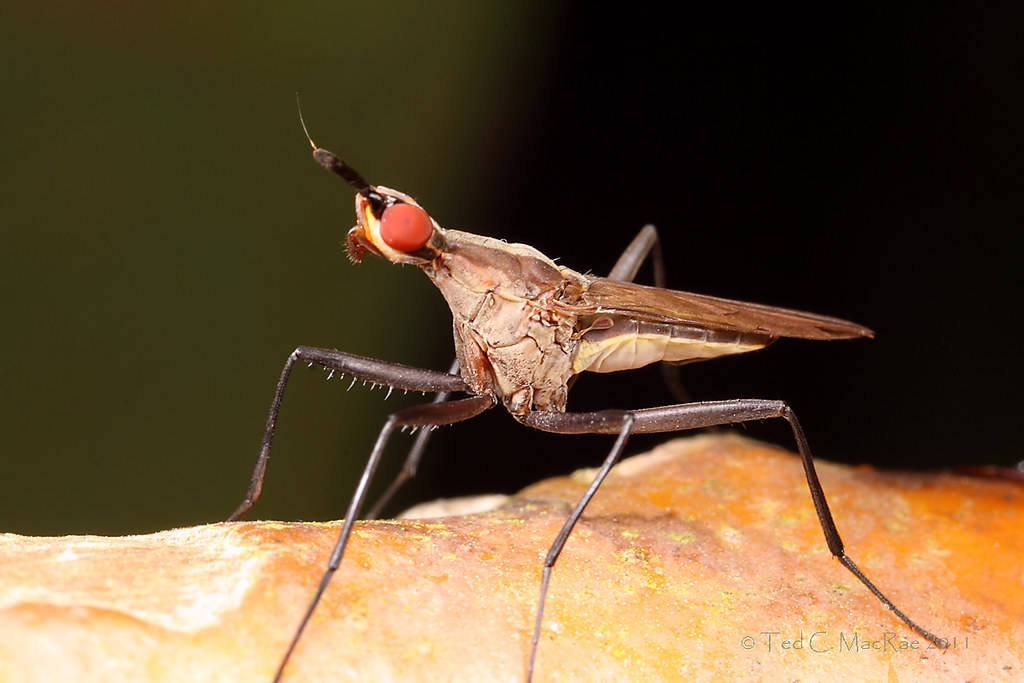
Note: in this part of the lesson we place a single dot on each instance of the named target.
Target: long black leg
(426, 415)
(563, 534)
(412, 461)
(694, 416)
(393, 375)
(646, 242)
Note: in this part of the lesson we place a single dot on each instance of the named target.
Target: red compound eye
(405, 227)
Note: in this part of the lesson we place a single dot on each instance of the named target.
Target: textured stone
(697, 561)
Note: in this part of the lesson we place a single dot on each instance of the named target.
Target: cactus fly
(524, 327)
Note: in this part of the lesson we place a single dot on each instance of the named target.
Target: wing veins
(670, 306)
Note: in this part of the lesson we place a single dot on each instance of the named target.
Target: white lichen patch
(731, 536)
(216, 567)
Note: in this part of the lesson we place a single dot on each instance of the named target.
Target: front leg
(412, 461)
(381, 372)
(428, 415)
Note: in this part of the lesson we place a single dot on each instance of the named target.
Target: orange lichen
(701, 559)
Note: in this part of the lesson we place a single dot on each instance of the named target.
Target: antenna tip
(298, 105)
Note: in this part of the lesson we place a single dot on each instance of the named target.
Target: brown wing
(669, 306)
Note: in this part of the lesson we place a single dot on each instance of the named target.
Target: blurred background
(167, 239)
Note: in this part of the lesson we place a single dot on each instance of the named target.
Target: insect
(524, 328)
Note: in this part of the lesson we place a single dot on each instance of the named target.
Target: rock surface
(700, 560)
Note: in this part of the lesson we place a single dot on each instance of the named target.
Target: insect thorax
(510, 338)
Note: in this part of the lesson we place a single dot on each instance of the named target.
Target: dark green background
(167, 239)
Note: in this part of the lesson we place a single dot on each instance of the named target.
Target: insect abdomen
(628, 344)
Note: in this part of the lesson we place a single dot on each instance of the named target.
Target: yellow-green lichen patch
(932, 546)
(513, 521)
(726, 602)
(634, 554)
(789, 520)
(767, 508)
(716, 488)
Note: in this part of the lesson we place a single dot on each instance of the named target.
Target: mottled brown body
(524, 326)
(515, 333)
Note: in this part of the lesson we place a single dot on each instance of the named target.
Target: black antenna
(332, 162)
